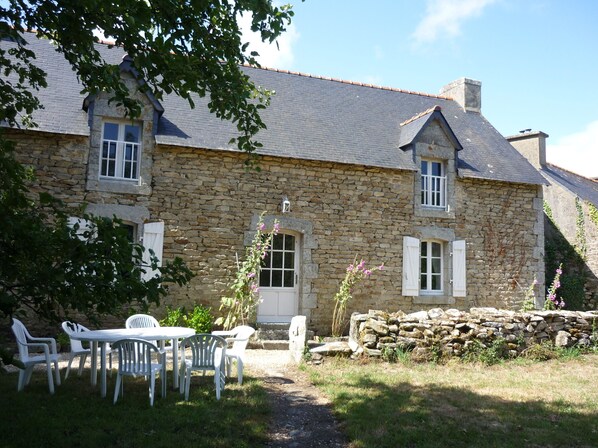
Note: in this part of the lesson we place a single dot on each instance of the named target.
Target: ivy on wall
(593, 212)
(557, 250)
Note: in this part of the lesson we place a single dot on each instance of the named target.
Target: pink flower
(261, 226)
(361, 264)
(251, 275)
(350, 268)
(535, 282)
(559, 271)
(276, 227)
(381, 267)
(367, 272)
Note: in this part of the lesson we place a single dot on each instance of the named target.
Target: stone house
(422, 183)
(571, 222)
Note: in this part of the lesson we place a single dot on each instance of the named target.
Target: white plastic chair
(135, 358)
(25, 341)
(77, 349)
(236, 351)
(207, 352)
(144, 321)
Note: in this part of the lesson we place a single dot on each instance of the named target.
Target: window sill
(430, 299)
(430, 212)
(119, 186)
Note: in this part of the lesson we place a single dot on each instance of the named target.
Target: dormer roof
(412, 128)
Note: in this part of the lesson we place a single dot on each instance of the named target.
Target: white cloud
(444, 18)
(576, 152)
(270, 55)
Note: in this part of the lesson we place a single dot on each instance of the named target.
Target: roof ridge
(344, 81)
(591, 179)
(421, 114)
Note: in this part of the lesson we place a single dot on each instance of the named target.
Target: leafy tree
(179, 46)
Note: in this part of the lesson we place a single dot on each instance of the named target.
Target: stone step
(268, 344)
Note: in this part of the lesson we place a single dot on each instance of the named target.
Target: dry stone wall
(453, 332)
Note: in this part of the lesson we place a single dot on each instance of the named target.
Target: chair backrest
(204, 348)
(135, 356)
(71, 328)
(141, 321)
(22, 336)
(242, 337)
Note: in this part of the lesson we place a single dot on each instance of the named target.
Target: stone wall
(452, 332)
(209, 202)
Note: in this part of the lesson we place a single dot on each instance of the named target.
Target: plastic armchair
(135, 358)
(236, 351)
(77, 349)
(207, 353)
(143, 321)
(26, 342)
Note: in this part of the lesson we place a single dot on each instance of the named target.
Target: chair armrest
(46, 348)
(224, 333)
(52, 342)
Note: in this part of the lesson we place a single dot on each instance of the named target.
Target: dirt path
(302, 416)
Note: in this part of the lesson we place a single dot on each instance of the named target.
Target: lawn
(514, 404)
(76, 416)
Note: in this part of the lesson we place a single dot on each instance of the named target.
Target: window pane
(289, 279)
(436, 169)
(127, 170)
(436, 250)
(104, 169)
(110, 131)
(424, 167)
(277, 260)
(423, 282)
(423, 268)
(265, 277)
(111, 168)
(424, 249)
(276, 278)
(266, 261)
(436, 266)
(289, 242)
(289, 260)
(131, 133)
(436, 283)
(278, 242)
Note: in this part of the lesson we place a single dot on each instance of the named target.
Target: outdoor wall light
(285, 207)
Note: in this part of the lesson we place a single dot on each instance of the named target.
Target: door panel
(278, 280)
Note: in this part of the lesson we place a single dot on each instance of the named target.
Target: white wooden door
(279, 276)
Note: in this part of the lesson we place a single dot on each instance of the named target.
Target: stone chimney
(532, 145)
(466, 92)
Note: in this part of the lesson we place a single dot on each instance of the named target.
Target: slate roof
(412, 128)
(309, 118)
(585, 188)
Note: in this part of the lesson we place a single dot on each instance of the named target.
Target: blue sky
(537, 59)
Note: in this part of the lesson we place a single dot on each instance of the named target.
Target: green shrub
(200, 319)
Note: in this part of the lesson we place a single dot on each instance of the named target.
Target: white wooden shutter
(84, 226)
(459, 271)
(153, 238)
(410, 266)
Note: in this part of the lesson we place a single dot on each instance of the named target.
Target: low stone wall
(453, 331)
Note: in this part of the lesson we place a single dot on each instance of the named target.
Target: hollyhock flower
(262, 227)
(276, 227)
(251, 275)
(367, 272)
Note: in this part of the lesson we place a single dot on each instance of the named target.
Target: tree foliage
(184, 47)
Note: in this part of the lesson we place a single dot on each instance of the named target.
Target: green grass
(513, 404)
(77, 416)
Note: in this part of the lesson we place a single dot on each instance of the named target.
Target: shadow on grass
(382, 415)
(77, 416)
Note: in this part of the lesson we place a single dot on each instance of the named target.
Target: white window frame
(433, 188)
(429, 258)
(121, 145)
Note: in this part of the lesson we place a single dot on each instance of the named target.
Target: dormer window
(433, 184)
(121, 151)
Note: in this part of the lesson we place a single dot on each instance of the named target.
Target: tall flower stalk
(552, 301)
(356, 272)
(240, 307)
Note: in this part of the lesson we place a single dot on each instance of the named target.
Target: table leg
(175, 363)
(103, 368)
(94, 363)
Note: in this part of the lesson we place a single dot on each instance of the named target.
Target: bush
(494, 353)
(200, 319)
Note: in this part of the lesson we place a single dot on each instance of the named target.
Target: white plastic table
(103, 337)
